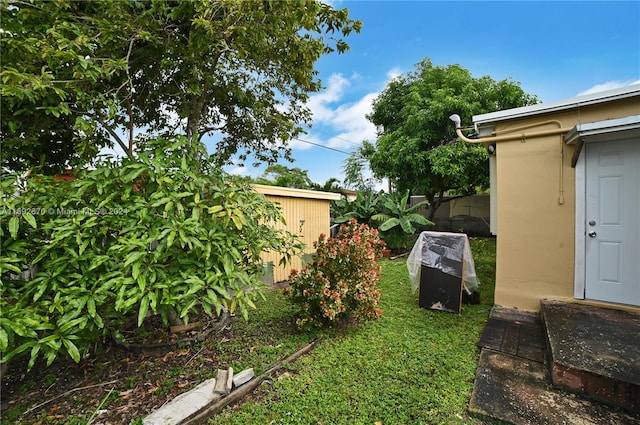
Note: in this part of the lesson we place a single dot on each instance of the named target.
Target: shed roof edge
(295, 193)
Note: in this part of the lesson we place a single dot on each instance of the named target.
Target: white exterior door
(612, 213)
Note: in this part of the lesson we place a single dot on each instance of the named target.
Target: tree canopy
(418, 150)
(78, 76)
(281, 175)
(297, 178)
(356, 166)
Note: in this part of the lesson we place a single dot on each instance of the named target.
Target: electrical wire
(322, 146)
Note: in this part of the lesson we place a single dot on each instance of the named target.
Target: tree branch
(115, 136)
(37, 406)
(131, 90)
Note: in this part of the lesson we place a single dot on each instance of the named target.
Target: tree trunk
(435, 203)
(173, 318)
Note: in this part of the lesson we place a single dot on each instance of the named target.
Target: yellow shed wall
(316, 216)
(536, 209)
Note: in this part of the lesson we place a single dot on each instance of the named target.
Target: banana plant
(363, 208)
(398, 219)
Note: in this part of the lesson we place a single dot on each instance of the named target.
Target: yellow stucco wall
(536, 208)
(297, 205)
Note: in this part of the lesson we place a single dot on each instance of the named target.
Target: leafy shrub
(398, 219)
(341, 280)
(363, 208)
(152, 235)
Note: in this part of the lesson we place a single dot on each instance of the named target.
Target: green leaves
(143, 309)
(4, 340)
(14, 224)
(49, 59)
(341, 279)
(72, 350)
(398, 219)
(228, 66)
(108, 248)
(417, 150)
(363, 208)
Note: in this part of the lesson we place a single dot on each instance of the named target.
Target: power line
(322, 146)
(335, 137)
(348, 141)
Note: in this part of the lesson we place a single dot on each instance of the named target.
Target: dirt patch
(283, 284)
(154, 337)
(134, 384)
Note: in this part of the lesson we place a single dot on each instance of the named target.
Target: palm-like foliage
(363, 208)
(398, 219)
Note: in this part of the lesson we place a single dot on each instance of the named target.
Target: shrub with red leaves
(341, 281)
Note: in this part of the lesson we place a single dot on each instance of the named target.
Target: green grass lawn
(411, 366)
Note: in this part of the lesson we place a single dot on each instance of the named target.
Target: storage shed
(307, 214)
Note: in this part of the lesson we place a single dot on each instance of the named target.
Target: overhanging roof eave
(599, 128)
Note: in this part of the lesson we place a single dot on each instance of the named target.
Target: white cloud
(609, 85)
(350, 119)
(238, 171)
(346, 120)
(393, 73)
(320, 103)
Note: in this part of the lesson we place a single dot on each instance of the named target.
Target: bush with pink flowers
(341, 281)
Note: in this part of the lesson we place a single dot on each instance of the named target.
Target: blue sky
(556, 50)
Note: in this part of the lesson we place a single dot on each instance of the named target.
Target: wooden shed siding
(302, 205)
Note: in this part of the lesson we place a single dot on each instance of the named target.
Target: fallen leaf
(125, 394)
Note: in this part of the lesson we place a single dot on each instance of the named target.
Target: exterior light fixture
(491, 148)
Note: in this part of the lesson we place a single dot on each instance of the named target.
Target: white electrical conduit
(522, 127)
(509, 137)
(522, 137)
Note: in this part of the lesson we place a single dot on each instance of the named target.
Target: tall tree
(418, 150)
(331, 185)
(241, 69)
(281, 175)
(356, 168)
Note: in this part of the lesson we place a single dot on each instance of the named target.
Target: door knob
(592, 234)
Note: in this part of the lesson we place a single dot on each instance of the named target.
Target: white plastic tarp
(447, 252)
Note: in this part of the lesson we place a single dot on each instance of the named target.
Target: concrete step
(516, 390)
(594, 352)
